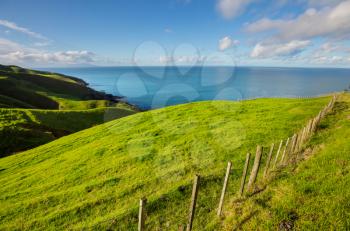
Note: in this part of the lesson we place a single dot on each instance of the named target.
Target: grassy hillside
(22, 129)
(25, 88)
(94, 178)
(313, 196)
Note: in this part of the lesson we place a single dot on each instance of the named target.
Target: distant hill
(93, 179)
(25, 88)
(66, 104)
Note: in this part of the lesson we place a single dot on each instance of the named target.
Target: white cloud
(232, 8)
(72, 57)
(189, 59)
(226, 42)
(45, 58)
(332, 22)
(264, 24)
(329, 47)
(42, 44)
(165, 59)
(14, 26)
(182, 59)
(14, 53)
(287, 38)
(329, 53)
(278, 50)
(323, 2)
(329, 60)
(7, 46)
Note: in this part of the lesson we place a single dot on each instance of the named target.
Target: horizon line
(188, 66)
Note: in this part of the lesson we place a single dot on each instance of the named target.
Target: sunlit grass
(315, 195)
(94, 178)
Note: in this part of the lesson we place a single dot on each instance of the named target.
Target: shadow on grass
(245, 220)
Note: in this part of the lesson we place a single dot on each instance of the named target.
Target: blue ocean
(155, 87)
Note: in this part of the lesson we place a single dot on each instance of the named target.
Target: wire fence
(286, 152)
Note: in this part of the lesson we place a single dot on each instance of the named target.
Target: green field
(22, 89)
(93, 179)
(313, 196)
(22, 129)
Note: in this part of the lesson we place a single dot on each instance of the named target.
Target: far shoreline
(255, 75)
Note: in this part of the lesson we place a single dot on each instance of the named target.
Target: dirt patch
(288, 224)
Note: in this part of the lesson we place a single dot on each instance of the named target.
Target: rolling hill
(22, 129)
(315, 195)
(94, 178)
(25, 88)
(64, 104)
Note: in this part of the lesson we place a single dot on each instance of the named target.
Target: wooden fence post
(255, 168)
(181, 228)
(316, 121)
(303, 137)
(325, 110)
(285, 151)
(313, 127)
(333, 101)
(244, 176)
(268, 160)
(308, 128)
(193, 203)
(318, 118)
(300, 139)
(278, 152)
(228, 170)
(293, 148)
(142, 216)
(329, 106)
(289, 151)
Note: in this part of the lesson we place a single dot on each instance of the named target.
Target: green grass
(8, 102)
(313, 196)
(20, 70)
(93, 179)
(68, 103)
(24, 88)
(30, 89)
(22, 129)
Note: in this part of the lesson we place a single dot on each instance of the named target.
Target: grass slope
(313, 196)
(29, 89)
(22, 129)
(94, 178)
(25, 88)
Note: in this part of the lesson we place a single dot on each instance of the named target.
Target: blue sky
(175, 32)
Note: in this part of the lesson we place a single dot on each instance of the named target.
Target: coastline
(106, 96)
(207, 83)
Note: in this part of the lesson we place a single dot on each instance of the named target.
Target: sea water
(155, 87)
